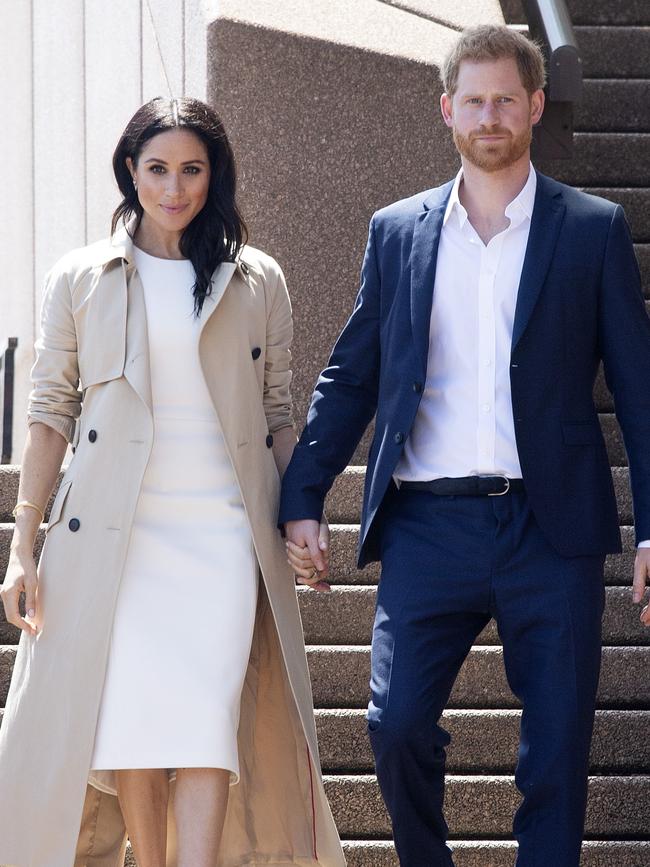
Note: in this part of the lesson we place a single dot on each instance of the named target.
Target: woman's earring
(135, 183)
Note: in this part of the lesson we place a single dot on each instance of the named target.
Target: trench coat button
(269, 441)
(399, 438)
(92, 435)
(74, 524)
(256, 353)
(417, 387)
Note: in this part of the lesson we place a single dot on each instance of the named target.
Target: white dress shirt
(464, 425)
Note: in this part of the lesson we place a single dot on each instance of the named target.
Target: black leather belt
(468, 486)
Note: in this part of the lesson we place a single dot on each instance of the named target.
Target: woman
(153, 665)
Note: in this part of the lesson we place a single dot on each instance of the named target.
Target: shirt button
(256, 353)
(74, 524)
(92, 435)
(488, 362)
(486, 407)
(269, 441)
(399, 438)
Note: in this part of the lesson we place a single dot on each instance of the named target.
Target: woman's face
(172, 177)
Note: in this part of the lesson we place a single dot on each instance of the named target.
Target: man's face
(491, 114)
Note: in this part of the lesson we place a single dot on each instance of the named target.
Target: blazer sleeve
(55, 399)
(277, 365)
(624, 330)
(343, 403)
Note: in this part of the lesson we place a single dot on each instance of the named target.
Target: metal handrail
(550, 22)
(7, 386)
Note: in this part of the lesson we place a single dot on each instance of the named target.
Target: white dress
(185, 613)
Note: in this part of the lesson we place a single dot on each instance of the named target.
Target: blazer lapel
(424, 255)
(547, 218)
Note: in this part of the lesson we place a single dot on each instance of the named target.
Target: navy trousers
(449, 564)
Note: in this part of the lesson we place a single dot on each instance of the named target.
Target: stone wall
(332, 109)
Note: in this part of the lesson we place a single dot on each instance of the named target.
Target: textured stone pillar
(332, 109)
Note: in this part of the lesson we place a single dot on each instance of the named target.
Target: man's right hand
(308, 552)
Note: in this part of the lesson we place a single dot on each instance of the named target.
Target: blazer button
(92, 435)
(256, 353)
(269, 441)
(417, 387)
(74, 524)
(399, 438)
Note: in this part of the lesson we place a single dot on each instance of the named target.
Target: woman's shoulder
(260, 262)
(79, 262)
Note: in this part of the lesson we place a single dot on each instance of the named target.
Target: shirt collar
(518, 209)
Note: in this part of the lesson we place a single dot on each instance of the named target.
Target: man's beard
(496, 156)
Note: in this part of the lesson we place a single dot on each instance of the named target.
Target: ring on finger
(314, 573)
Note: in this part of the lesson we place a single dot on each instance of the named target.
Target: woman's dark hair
(218, 231)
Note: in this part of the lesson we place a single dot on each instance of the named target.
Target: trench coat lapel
(136, 367)
(220, 280)
(548, 214)
(136, 362)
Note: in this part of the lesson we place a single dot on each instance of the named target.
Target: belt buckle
(505, 491)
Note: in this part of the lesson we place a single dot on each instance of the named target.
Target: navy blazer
(579, 301)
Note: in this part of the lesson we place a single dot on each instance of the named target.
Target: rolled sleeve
(55, 399)
(277, 368)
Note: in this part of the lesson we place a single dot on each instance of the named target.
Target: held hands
(308, 552)
(641, 573)
(21, 578)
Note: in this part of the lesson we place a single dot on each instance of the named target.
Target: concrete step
(340, 677)
(487, 853)
(604, 159)
(614, 52)
(486, 741)
(343, 555)
(614, 12)
(345, 617)
(618, 568)
(483, 806)
(499, 853)
(344, 500)
(614, 105)
(636, 202)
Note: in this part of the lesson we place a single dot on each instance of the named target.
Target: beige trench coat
(94, 330)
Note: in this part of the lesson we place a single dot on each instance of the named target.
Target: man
(484, 310)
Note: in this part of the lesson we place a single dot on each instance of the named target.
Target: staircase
(612, 158)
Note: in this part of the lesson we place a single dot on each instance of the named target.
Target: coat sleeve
(343, 403)
(55, 399)
(624, 330)
(277, 365)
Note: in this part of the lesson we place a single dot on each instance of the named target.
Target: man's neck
(486, 195)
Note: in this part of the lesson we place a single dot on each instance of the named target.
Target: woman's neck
(163, 245)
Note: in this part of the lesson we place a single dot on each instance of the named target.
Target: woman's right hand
(21, 577)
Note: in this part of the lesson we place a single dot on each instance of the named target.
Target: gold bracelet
(28, 505)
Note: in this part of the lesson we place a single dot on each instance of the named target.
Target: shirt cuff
(644, 544)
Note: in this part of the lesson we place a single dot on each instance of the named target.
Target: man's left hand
(641, 574)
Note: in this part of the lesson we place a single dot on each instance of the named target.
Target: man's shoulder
(406, 209)
(577, 201)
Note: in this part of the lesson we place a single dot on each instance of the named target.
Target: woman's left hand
(301, 562)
